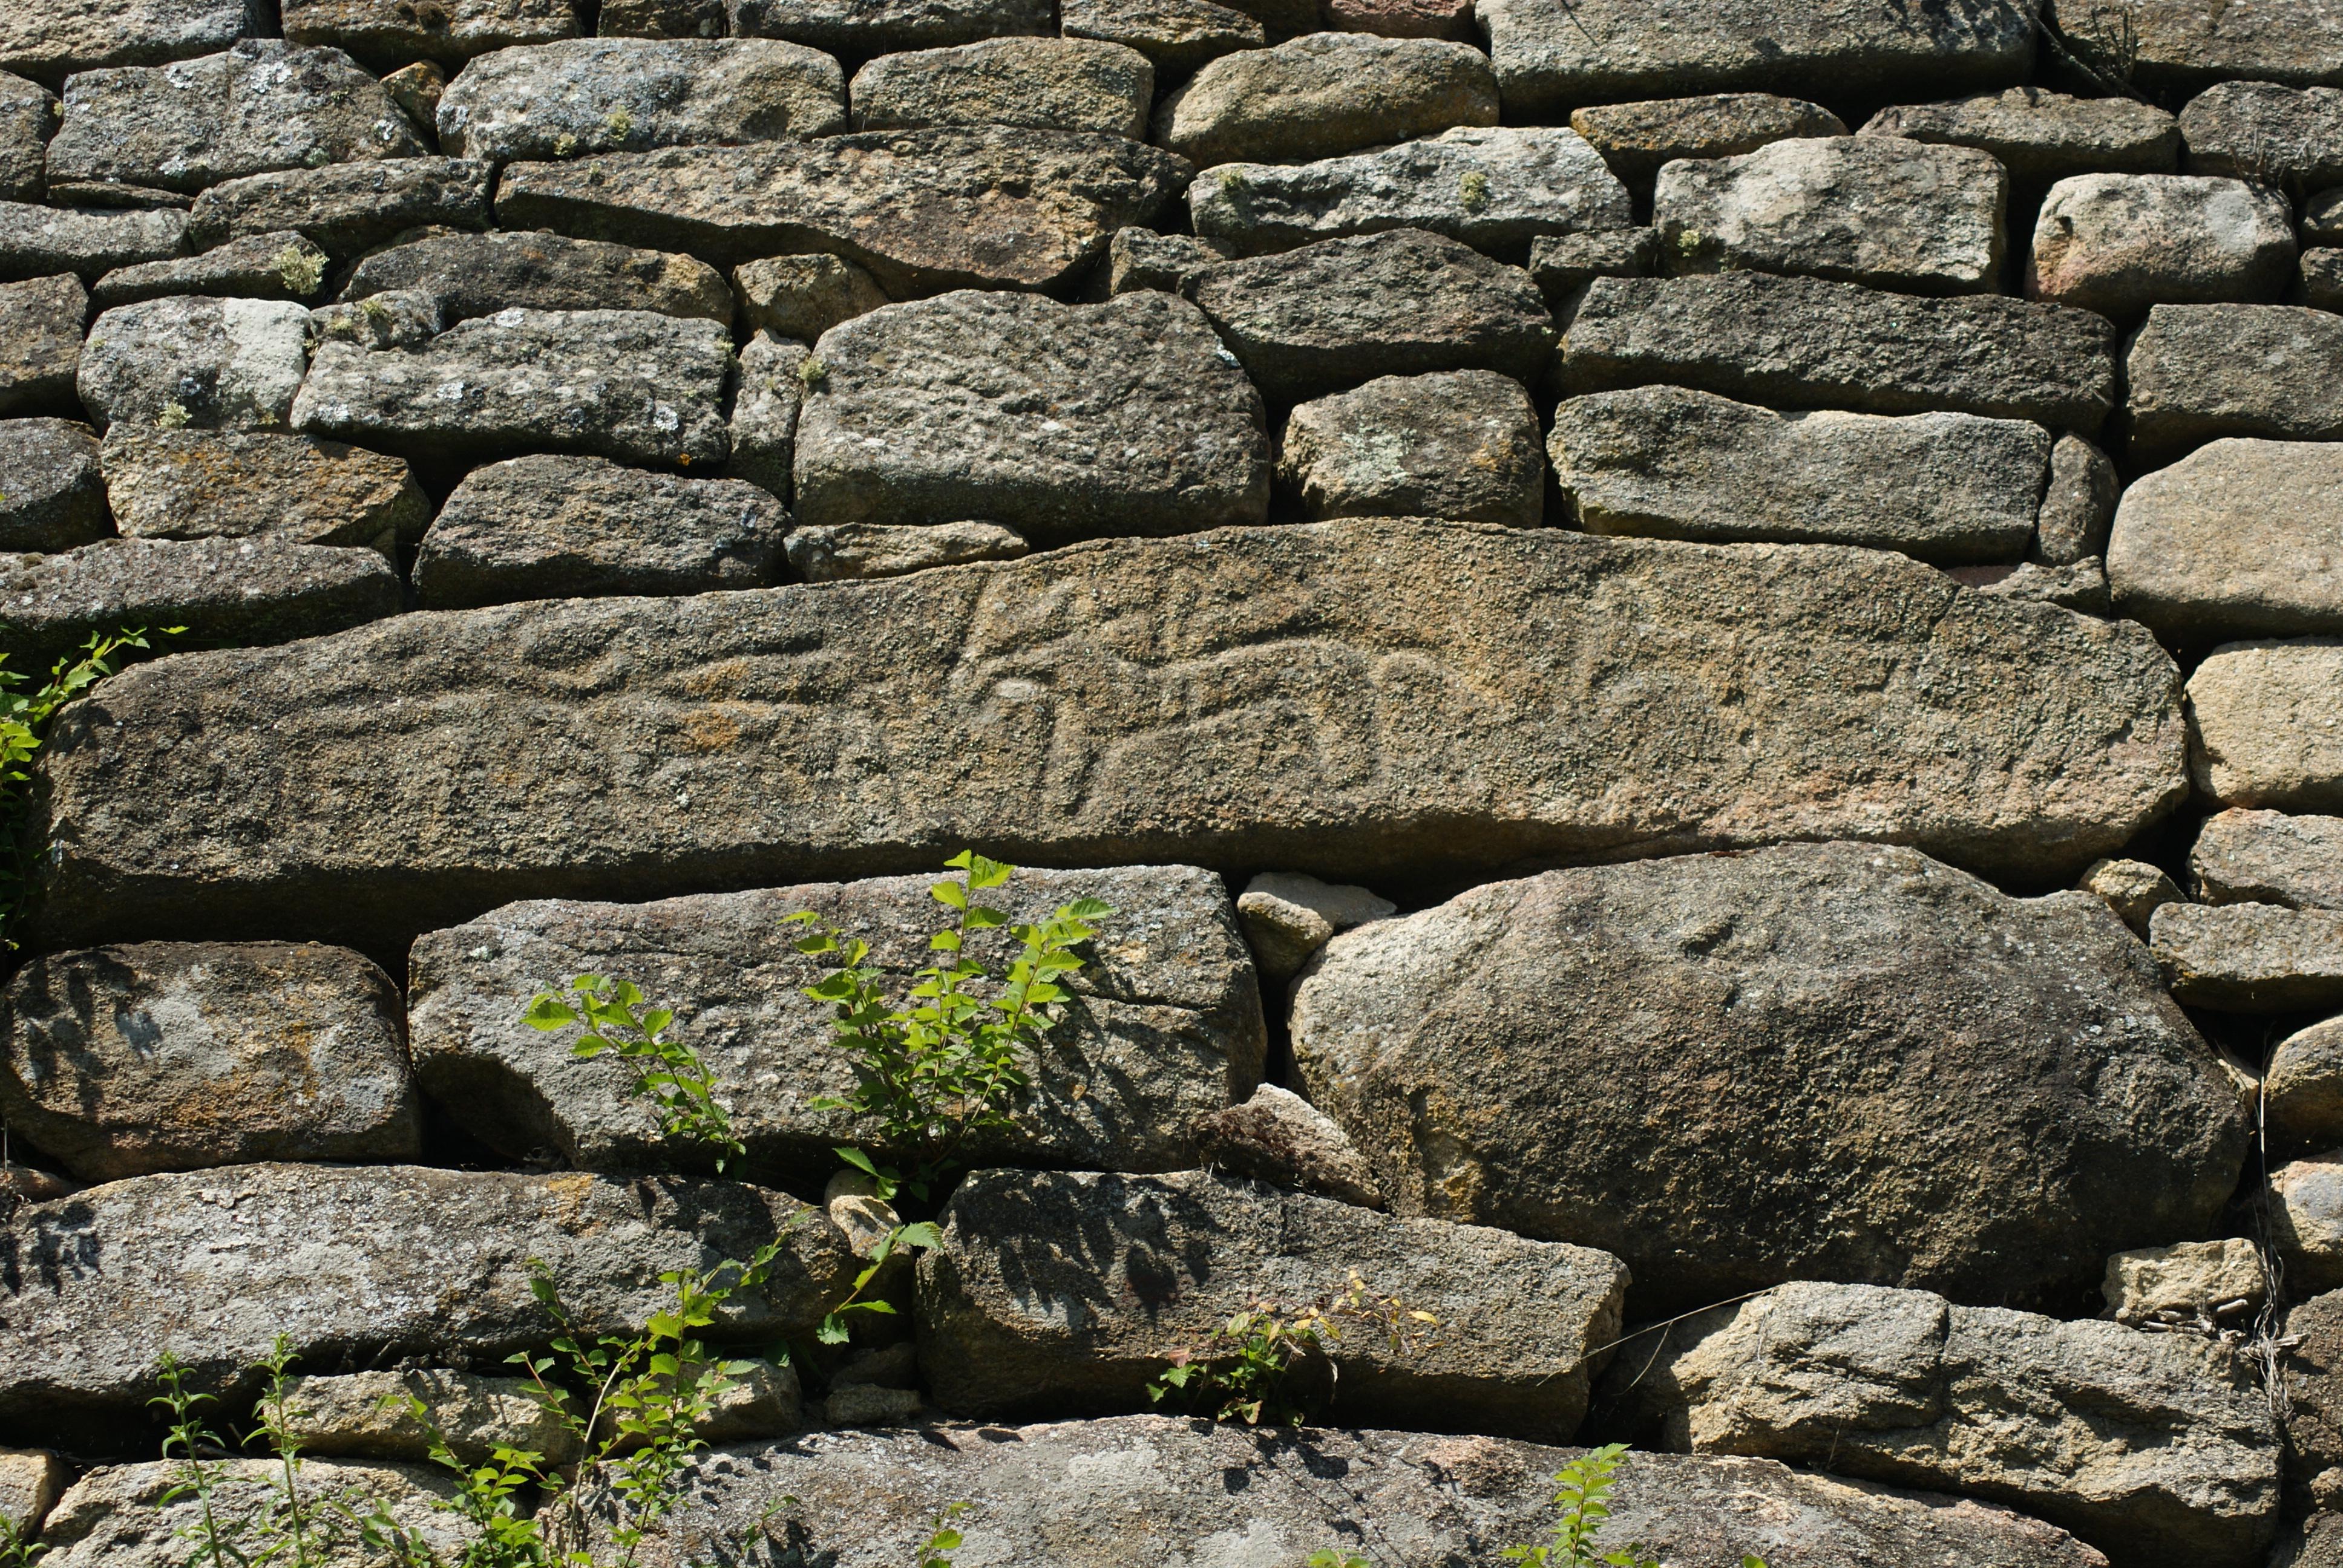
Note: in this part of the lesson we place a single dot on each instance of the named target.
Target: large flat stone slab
(347, 210)
(1157, 1263)
(2266, 724)
(364, 1261)
(2261, 131)
(49, 43)
(1060, 421)
(1727, 1013)
(38, 241)
(1323, 95)
(2191, 43)
(1243, 697)
(2240, 538)
(866, 27)
(1047, 84)
(144, 1515)
(480, 274)
(2040, 136)
(2194, 373)
(923, 211)
(235, 484)
(387, 34)
(1166, 1027)
(1805, 343)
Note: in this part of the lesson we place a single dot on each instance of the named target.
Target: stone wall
(1699, 644)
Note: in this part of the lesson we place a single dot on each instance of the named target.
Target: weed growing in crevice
(1250, 1370)
(301, 271)
(674, 1077)
(1582, 1502)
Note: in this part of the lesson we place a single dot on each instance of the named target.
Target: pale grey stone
(473, 274)
(1177, 36)
(1157, 1263)
(395, 319)
(40, 345)
(2303, 1204)
(2302, 1089)
(49, 43)
(2240, 538)
(1322, 94)
(2269, 857)
(1047, 83)
(803, 297)
(2118, 244)
(52, 496)
(281, 265)
(141, 1516)
(2078, 506)
(1280, 1138)
(37, 241)
(767, 394)
(2266, 724)
(878, 550)
(365, 1415)
(2251, 958)
(2200, 1284)
(2196, 372)
(1461, 444)
(1665, 463)
(586, 96)
(1723, 1012)
(2133, 889)
(348, 208)
(862, 29)
(232, 364)
(2041, 135)
(387, 33)
(1289, 916)
(1636, 139)
(2263, 132)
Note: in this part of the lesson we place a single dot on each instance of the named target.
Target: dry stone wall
(1698, 645)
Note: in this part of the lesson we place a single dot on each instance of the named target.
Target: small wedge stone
(2078, 506)
(767, 390)
(862, 29)
(2191, 1278)
(31, 1481)
(1323, 95)
(1288, 917)
(1563, 267)
(1635, 139)
(1461, 444)
(803, 297)
(2133, 889)
(1178, 36)
(2304, 1203)
(851, 550)
(1282, 1138)
(2302, 1089)
(241, 484)
(1047, 83)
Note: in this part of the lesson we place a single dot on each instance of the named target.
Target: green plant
(618, 124)
(214, 1535)
(675, 1079)
(1582, 1502)
(941, 1537)
(287, 1519)
(1248, 1371)
(1335, 1557)
(301, 270)
(812, 372)
(833, 1330)
(16, 1550)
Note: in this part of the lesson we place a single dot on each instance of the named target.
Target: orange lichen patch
(710, 729)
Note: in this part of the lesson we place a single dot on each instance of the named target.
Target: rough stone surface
(884, 550)
(417, 89)
(2160, 1449)
(2312, 1367)
(381, 1261)
(2318, 279)
(1635, 139)
(1552, 55)
(31, 1481)
(630, 384)
(768, 393)
(263, 104)
(171, 1056)
(1461, 444)
(1405, 18)
(1323, 95)
(2133, 889)
(51, 495)
(1496, 190)
(2196, 372)
(630, 95)
(387, 34)
(1280, 1138)
(2117, 244)
(1166, 1027)
(1859, 209)
(988, 206)
(219, 363)
(1060, 421)
(1725, 1012)
(2080, 586)
(1059, 1293)
(1805, 343)
(1141, 259)
(2269, 857)
(2078, 506)
(1666, 463)
(1564, 266)
(396, 318)
(1161, 1490)
(803, 297)
(1178, 36)
(2263, 132)
(39, 241)
(2303, 1091)
(473, 274)
(49, 43)
(1339, 312)
(2190, 1282)
(865, 27)
(365, 1415)
(1047, 84)
(661, 19)
(1288, 917)
(2187, 44)
(2040, 136)
(2240, 538)
(40, 345)
(2303, 1204)
(282, 265)
(573, 528)
(240, 593)
(125, 1516)
(2251, 958)
(2266, 724)
(1251, 696)
(348, 208)
(237, 484)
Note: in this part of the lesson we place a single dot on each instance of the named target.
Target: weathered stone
(1325, 93)
(1724, 1012)
(281, 265)
(2196, 372)
(1125, 700)
(2160, 1449)
(862, 29)
(1552, 55)
(395, 319)
(108, 195)
(143, 1516)
(221, 363)
(868, 1404)
(2078, 507)
(1060, 421)
(38, 241)
(1495, 189)
(40, 344)
(760, 1401)
(575, 528)
(989, 207)
(2240, 538)
(2262, 132)
(2311, 1367)
(173, 1056)
(2117, 244)
(2081, 586)
(1664, 463)
(629, 95)
(2302, 1092)
(1047, 83)
(368, 1261)
(387, 33)
(2315, 1541)
(803, 297)
(2303, 1204)
(630, 384)
(1805, 343)
(1178, 36)
(1405, 18)
(31, 1481)
(2266, 724)
(264, 105)
(1141, 259)
(1288, 917)
(1461, 445)
(2133, 889)
(661, 19)
(365, 1415)
(474, 274)
(29, 117)
(768, 393)
(1165, 1027)
(417, 89)
(235, 484)
(2040, 136)
(1859, 209)
(1057, 1294)
(2187, 44)
(51, 495)
(348, 208)
(2201, 1284)
(1635, 139)
(1563, 267)
(236, 593)
(2251, 958)
(1280, 1138)
(2318, 279)
(2269, 857)
(1339, 312)
(878, 550)
(49, 43)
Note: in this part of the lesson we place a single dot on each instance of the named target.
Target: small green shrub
(618, 124)
(1582, 1502)
(302, 270)
(1248, 1371)
(941, 1537)
(1335, 1557)
(674, 1077)
(812, 372)
(16, 1550)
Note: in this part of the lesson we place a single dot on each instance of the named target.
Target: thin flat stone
(1636, 139)
(2251, 958)
(49, 43)
(2194, 373)
(2040, 136)
(2269, 857)
(347, 209)
(37, 241)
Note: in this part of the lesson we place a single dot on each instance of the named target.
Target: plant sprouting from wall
(674, 1077)
(1582, 1502)
(1250, 1370)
